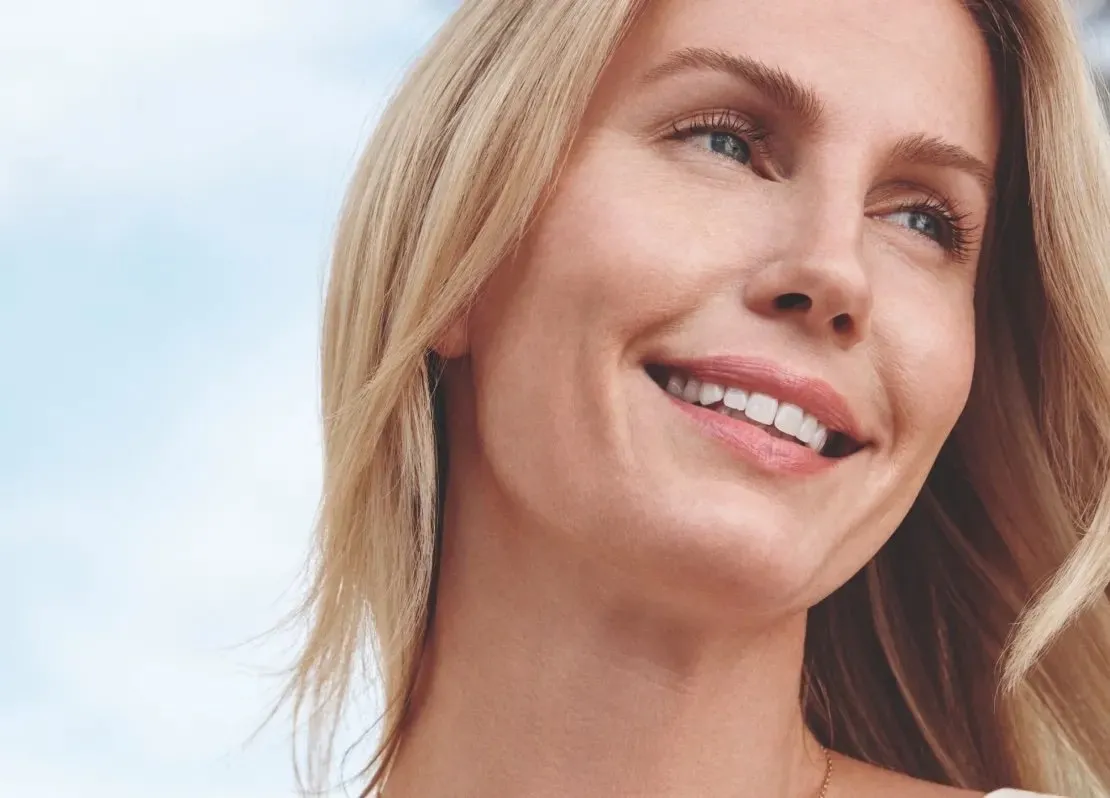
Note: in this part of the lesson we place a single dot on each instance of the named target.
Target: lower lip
(754, 445)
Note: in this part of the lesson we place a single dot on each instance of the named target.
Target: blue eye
(729, 145)
(938, 220)
(921, 222)
(725, 133)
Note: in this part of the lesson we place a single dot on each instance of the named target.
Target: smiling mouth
(776, 418)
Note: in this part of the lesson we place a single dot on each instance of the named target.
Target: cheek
(546, 331)
(608, 256)
(933, 358)
(628, 244)
(610, 260)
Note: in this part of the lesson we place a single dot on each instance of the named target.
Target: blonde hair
(975, 649)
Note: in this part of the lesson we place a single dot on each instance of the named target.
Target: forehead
(890, 67)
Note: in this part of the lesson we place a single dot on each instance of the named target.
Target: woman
(717, 403)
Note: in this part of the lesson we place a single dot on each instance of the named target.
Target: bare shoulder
(861, 780)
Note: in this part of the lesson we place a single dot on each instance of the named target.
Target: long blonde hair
(975, 649)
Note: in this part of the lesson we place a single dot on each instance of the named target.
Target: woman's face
(767, 233)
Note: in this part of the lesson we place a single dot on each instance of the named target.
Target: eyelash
(724, 122)
(958, 238)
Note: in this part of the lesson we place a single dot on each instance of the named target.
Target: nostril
(842, 323)
(793, 302)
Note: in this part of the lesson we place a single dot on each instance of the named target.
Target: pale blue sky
(169, 177)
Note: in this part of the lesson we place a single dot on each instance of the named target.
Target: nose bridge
(819, 279)
(831, 259)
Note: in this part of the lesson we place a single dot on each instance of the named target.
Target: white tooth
(675, 385)
(711, 394)
(789, 419)
(817, 443)
(692, 391)
(761, 408)
(808, 428)
(736, 399)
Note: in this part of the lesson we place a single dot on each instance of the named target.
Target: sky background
(170, 174)
(169, 178)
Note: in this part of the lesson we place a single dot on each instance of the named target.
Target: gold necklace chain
(828, 774)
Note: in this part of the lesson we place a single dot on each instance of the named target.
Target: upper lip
(811, 394)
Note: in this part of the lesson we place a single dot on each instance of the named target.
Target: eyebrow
(781, 88)
(922, 149)
(802, 101)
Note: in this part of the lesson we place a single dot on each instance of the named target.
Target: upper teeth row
(758, 407)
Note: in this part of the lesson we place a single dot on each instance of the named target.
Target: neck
(544, 675)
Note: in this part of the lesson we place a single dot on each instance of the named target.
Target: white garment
(1018, 794)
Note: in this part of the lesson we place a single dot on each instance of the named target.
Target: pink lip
(812, 395)
(754, 444)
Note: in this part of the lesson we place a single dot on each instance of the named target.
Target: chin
(732, 552)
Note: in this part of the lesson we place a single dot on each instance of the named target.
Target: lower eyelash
(961, 235)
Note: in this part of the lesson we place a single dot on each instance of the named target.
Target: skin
(622, 600)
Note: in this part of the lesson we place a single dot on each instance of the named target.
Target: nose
(822, 287)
